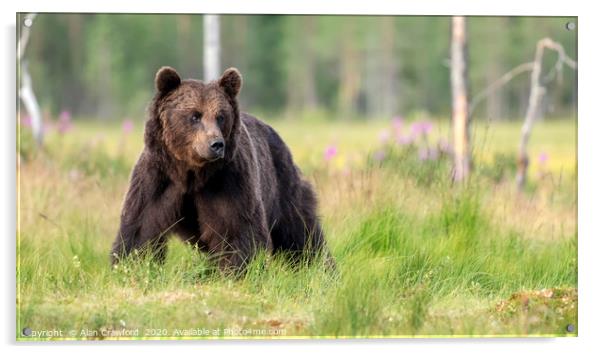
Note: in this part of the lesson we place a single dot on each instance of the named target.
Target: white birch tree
(26, 93)
(459, 88)
(211, 47)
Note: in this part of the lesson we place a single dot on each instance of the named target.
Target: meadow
(416, 255)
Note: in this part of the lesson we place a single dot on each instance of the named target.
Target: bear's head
(195, 122)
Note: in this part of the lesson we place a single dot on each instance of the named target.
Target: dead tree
(459, 88)
(211, 47)
(536, 94)
(26, 93)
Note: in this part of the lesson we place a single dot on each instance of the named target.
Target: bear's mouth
(215, 156)
(203, 159)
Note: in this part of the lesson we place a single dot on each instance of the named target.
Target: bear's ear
(167, 79)
(231, 81)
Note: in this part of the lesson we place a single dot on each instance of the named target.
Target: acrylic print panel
(353, 176)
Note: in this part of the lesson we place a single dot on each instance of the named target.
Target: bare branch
(535, 96)
(563, 59)
(504, 79)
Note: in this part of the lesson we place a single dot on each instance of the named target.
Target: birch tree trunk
(211, 47)
(535, 95)
(459, 88)
(26, 93)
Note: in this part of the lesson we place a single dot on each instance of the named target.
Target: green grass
(415, 256)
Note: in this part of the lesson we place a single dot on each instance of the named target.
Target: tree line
(348, 67)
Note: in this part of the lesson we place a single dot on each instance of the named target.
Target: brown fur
(252, 198)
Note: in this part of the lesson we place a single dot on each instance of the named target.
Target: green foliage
(85, 63)
(103, 65)
(96, 161)
(27, 144)
(502, 168)
(407, 161)
(265, 81)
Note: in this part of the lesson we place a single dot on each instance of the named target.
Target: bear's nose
(217, 146)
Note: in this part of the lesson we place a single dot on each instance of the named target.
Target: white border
(590, 130)
(373, 7)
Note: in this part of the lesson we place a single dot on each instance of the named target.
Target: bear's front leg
(233, 235)
(150, 210)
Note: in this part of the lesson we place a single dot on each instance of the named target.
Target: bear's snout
(218, 147)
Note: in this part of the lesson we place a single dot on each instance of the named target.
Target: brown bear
(220, 179)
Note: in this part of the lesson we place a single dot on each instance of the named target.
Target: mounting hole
(26, 331)
(570, 26)
(570, 328)
(28, 22)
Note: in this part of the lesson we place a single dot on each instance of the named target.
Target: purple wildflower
(26, 121)
(64, 124)
(543, 158)
(423, 127)
(128, 126)
(405, 139)
(379, 155)
(397, 124)
(330, 152)
(427, 127)
(416, 128)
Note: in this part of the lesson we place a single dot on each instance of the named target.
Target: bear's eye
(196, 117)
(220, 119)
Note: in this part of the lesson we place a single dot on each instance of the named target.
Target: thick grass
(415, 256)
